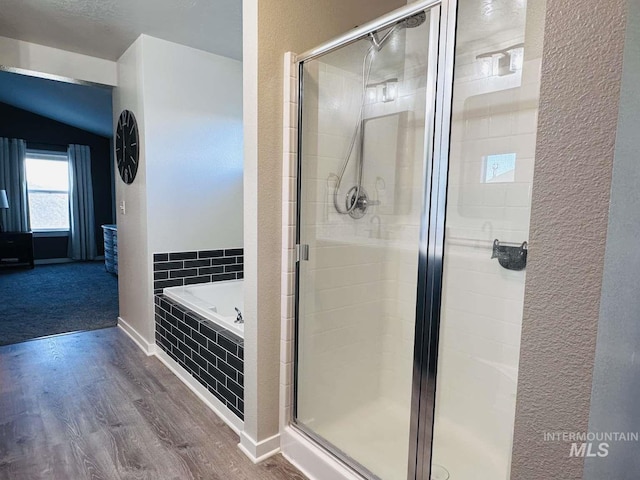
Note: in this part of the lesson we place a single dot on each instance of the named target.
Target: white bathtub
(215, 301)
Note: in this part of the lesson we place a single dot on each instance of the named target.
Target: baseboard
(52, 261)
(146, 347)
(55, 261)
(312, 460)
(259, 451)
(201, 392)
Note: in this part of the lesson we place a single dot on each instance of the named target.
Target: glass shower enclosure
(382, 295)
(367, 142)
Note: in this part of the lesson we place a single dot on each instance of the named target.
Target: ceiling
(81, 106)
(106, 28)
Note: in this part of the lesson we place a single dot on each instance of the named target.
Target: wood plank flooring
(93, 406)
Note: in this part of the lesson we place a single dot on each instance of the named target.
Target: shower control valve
(365, 203)
(357, 206)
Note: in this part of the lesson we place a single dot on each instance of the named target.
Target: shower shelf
(512, 256)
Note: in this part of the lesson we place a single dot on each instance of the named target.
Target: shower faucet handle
(358, 202)
(364, 202)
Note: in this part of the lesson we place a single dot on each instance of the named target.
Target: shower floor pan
(376, 435)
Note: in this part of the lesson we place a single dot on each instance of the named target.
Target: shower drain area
(438, 472)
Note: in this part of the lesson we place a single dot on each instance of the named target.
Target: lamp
(4, 203)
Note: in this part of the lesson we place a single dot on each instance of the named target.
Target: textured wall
(581, 74)
(271, 28)
(616, 384)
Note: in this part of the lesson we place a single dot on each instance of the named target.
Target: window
(48, 187)
(500, 168)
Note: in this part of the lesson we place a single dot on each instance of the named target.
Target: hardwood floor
(93, 406)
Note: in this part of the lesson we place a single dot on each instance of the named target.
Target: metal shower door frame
(432, 231)
(431, 254)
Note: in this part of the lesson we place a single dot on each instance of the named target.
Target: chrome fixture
(414, 9)
(239, 318)
(411, 22)
(358, 202)
(357, 199)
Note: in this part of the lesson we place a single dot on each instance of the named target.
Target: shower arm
(379, 43)
(363, 30)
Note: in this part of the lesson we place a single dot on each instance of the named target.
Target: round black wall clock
(127, 146)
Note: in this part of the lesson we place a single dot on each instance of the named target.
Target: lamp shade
(4, 202)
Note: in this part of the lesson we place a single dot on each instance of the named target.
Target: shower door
(370, 124)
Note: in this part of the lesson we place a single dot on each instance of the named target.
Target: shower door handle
(302, 253)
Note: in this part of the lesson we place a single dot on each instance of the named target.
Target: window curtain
(82, 241)
(13, 179)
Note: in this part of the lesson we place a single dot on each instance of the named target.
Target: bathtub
(215, 301)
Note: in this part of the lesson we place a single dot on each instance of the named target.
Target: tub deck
(216, 302)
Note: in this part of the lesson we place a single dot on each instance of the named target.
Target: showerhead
(411, 22)
(415, 20)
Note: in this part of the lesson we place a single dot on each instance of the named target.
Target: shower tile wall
(482, 302)
(344, 305)
(289, 197)
(363, 300)
(401, 221)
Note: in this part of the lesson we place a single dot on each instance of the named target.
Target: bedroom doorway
(56, 193)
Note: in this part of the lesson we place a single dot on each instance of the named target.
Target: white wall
(193, 108)
(188, 192)
(53, 61)
(134, 263)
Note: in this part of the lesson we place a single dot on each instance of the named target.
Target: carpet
(52, 299)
